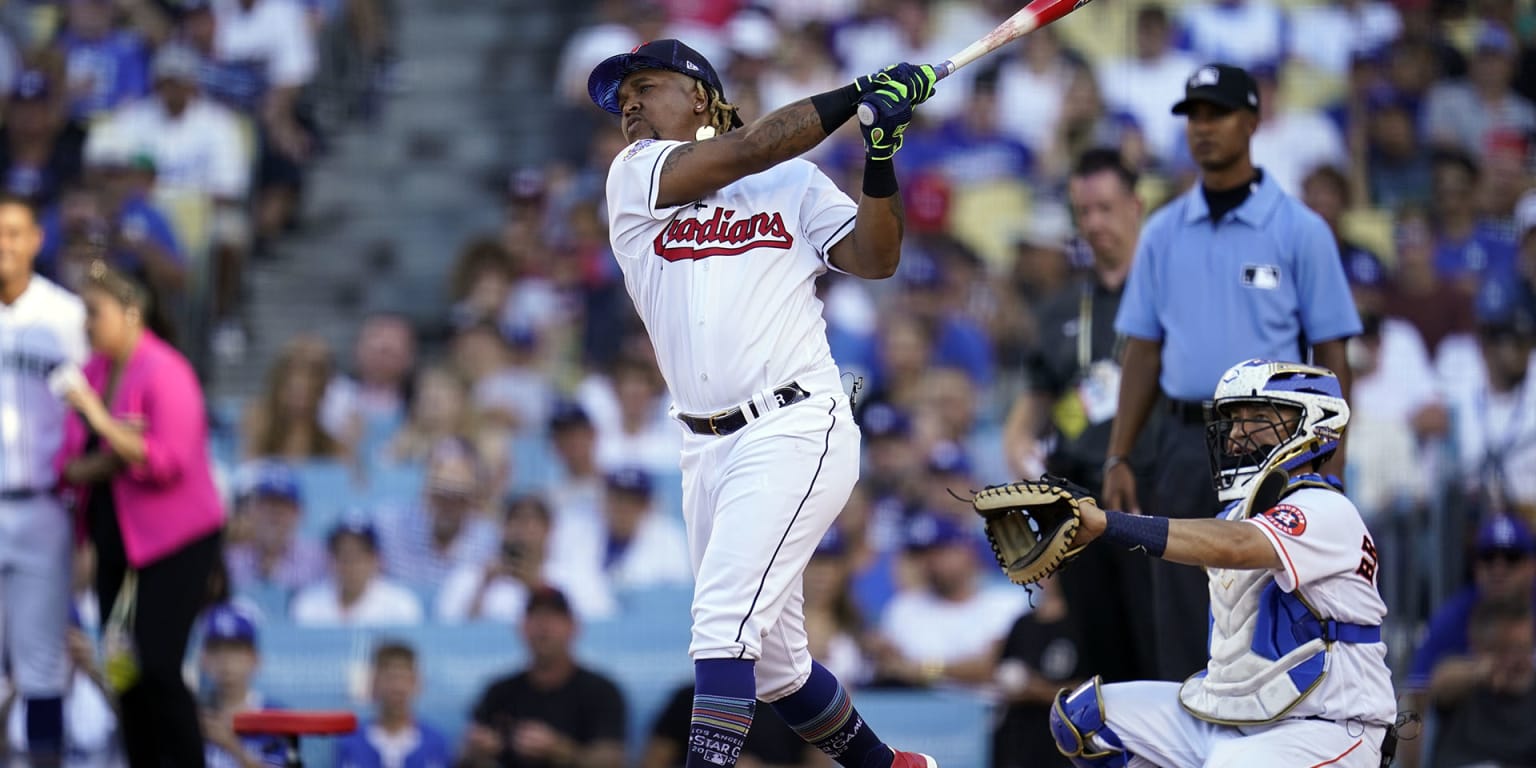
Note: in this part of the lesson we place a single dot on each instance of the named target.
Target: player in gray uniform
(42, 341)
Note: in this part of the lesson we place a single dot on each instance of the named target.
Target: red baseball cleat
(912, 760)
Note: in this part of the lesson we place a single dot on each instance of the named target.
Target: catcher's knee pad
(1081, 732)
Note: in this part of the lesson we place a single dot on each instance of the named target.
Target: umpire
(1230, 270)
(1061, 422)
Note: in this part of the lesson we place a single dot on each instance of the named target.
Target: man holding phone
(42, 343)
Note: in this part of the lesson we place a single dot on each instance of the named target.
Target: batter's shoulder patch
(634, 149)
(1287, 518)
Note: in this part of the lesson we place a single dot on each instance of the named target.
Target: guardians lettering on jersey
(692, 239)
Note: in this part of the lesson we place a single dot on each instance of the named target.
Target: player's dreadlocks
(720, 111)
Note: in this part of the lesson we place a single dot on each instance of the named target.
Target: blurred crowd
(523, 469)
(173, 137)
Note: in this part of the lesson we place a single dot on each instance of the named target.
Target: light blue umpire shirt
(1265, 282)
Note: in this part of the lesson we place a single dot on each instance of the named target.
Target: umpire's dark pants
(1110, 599)
(1181, 488)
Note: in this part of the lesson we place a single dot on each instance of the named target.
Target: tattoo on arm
(899, 213)
(678, 153)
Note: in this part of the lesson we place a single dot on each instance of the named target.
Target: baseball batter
(42, 333)
(1297, 673)
(721, 233)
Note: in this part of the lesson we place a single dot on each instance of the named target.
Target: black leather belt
(20, 494)
(726, 422)
(1186, 411)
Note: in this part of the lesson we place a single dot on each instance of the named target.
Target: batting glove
(919, 79)
(893, 111)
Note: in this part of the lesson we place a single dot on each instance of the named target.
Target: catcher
(1297, 673)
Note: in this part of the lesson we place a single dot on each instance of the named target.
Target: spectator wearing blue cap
(833, 621)
(573, 483)
(274, 553)
(641, 547)
(1463, 113)
(1496, 420)
(356, 594)
(227, 665)
(1439, 310)
(1503, 567)
(917, 643)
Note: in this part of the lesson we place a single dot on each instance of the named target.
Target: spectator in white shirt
(1496, 422)
(370, 401)
(1329, 35)
(200, 154)
(1034, 83)
(1291, 143)
(357, 594)
(1145, 83)
(642, 435)
(1238, 32)
(641, 546)
(1466, 113)
(575, 486)
(498, 590)
(917, 643)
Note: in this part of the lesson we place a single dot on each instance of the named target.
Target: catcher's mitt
(1031, 524)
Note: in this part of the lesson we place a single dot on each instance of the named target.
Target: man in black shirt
(1486, 718)
(1042, 655)
(770, 743)
(1061, 424)
(554, 712)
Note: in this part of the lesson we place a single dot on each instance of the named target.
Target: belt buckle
(714, 430)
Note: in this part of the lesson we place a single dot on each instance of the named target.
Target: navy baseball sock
(724, 700)
(45, 727)
(823, 715)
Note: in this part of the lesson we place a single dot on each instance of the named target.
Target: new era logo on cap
(1220, 84)
(1204, 76)
(691, 65)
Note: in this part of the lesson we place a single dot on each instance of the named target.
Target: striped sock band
(822, 713)
(723, 705)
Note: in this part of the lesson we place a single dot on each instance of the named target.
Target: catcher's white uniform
(1277, 691)
(726, 288)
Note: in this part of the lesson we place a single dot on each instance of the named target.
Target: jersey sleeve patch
(634, 149)
(1287, 519)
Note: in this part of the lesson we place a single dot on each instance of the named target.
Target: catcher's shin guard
(1081, 732)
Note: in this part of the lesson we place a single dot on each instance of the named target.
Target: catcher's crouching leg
(1081, 732)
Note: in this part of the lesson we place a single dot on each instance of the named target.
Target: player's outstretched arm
(696, 169)
(1211, 543)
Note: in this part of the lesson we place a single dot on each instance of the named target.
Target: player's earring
(698, 107)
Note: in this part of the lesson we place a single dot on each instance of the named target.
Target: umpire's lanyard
(1085, 326)
(1494, 454)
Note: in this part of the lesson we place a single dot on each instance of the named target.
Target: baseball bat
(1029, 18)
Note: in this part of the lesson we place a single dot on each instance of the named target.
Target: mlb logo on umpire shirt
(1262, 276)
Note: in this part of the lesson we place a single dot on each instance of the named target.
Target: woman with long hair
(136, 453)
(284, 423)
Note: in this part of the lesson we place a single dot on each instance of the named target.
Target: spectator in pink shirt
(138, 455)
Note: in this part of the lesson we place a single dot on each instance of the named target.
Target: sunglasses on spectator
(1508, 556)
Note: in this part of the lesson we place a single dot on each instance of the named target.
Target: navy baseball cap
(631, 480)
(1221, 84)
(568, 413)
(31, 85)
(1503, 533)
(947, 458)
(227, 624)
(276, 481)
(833, 544)
(547, 598)
(668, 54)
(882, 420)
(928, 530)
(359, 529)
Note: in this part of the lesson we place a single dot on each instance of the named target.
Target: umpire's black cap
(669, 54)
(1221, 84)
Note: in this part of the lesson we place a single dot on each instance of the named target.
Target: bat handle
(941, 71)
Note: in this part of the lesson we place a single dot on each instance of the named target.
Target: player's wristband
(1114, 461)
(836, 107)
(879, 178)
(1137, 531)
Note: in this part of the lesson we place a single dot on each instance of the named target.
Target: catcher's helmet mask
(1307, 422)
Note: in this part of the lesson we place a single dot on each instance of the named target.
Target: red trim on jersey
(1356, 745)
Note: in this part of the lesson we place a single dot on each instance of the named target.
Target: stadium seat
(329, 488)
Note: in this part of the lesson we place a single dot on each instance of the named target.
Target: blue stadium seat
(329, 488)
(394, 484)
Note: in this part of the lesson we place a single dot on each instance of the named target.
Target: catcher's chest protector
(1266, 645)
